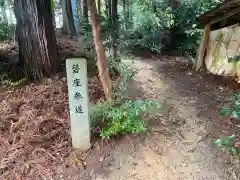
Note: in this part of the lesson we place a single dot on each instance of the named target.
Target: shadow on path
(206, 92)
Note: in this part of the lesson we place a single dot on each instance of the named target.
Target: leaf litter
(35, 128)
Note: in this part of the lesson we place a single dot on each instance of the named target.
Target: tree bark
(175, 4)
(53, 13)
(128, 9)
(109, 3)
(85, 9)
(114, 33)
(109, 9)
(10, 19)
(38, 53)
(106, 8)
(130, 13)
(70, 18)
(125, 14)
(99, 6)
(154, 7)
(101, 56)
(65, 27)
(79, 8)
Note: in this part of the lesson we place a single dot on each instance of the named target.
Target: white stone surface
(223, 44)
(78, 102)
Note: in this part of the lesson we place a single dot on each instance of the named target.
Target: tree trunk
(70, 18)
(65, 27)
(38, 53)
(109, 25)
(101, 56)
(175, 4)
(10, 19)
(114, 33)
(53, 13)
(130, 13)
(128, 9)
(75, 14)
(106, 8)
(154, 7)
(99, 7)
(85, 9)
(79, 8)
(109, 9)
(53, 19)
(125, 14)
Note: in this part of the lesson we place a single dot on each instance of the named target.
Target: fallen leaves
(35, 128)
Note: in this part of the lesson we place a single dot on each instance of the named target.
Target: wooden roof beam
(225, 16)
(227, 5)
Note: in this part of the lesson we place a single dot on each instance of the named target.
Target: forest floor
(35, 141)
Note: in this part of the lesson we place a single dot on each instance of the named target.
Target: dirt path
(180, 144)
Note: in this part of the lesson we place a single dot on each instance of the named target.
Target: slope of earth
(34, 118)
(34, 127)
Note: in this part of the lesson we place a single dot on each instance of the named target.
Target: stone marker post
(78, 102)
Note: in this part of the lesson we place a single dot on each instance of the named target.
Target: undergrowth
(231, 143)
(8, 83)
(234, 110)
(120, 116)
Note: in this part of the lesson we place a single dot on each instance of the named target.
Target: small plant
(120, 116)
(5, 81)
(234, 110)
(111, 119)
(229, 144)
(4, 31)
(125, 74)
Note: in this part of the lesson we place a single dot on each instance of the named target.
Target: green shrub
(85, 30)
(155, 28)
(4, 31)
(117, 119)
(234, 110)
(228, 144)
(188, 44)
(125, 74)
(186, 20)
(7, 82)
(164, 27)
(120, 116)
(147, 26)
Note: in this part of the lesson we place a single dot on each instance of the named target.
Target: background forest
(157, 25)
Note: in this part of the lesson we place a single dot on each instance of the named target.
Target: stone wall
(223, 52)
